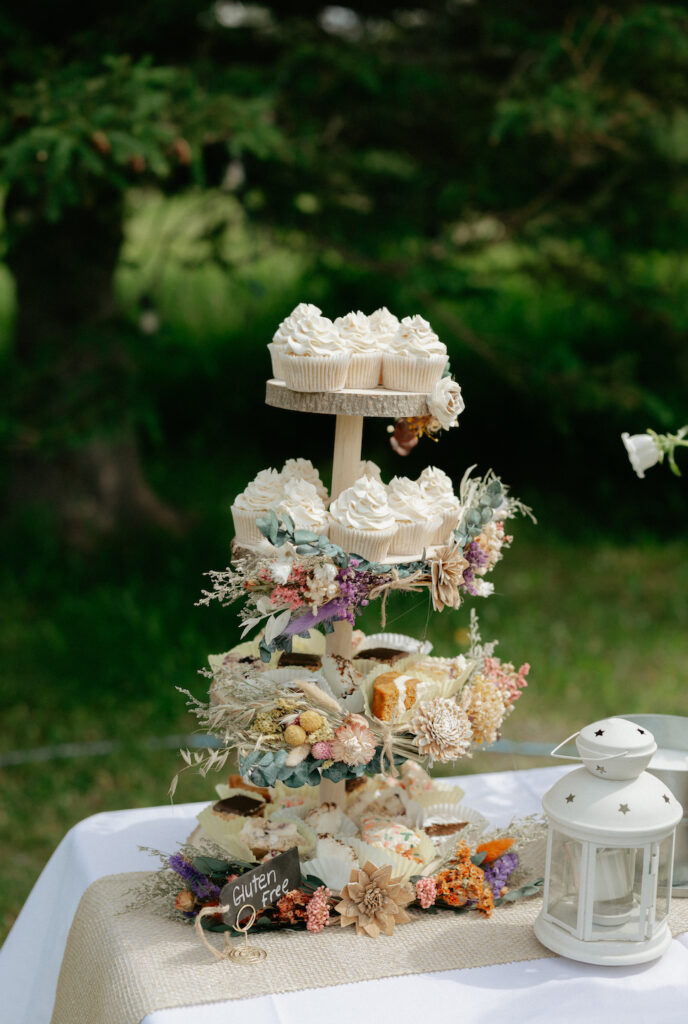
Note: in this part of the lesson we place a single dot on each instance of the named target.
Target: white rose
(643, 451)
(445, 402)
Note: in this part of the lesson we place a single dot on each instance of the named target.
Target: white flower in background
(643, 451)
(483, 588)
(446, 402)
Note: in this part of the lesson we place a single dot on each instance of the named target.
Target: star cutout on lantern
(641, 731)
(570, 798)
(666, 799)
(624, 808)
(600, 732)
(600, 768)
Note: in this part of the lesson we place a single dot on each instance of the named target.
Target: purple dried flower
(200, 886)
(497, 873)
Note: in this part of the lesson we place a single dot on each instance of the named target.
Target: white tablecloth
(534, 991)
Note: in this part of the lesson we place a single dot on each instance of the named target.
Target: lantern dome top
(623, 748)
(641, 807)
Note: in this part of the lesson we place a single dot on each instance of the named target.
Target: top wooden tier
(349, 402)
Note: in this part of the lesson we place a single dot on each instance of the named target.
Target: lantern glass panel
(666, 848)
(564, 879)
(618, 883)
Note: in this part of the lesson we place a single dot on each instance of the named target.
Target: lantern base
(607, 953)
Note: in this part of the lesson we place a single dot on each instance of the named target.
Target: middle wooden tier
(371, 402)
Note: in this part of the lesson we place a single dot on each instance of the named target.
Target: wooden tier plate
(349, 402)
(390, 560)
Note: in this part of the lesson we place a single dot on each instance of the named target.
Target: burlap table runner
(118, 967)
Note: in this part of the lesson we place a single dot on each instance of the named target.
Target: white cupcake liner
(443, 534)
(396, 642)
(411, 373)
(245, 527)
(277, 357)
(316, 373)
(413, 538)
(332, 869)
(437, 671)
(364, 370)
(372, 545)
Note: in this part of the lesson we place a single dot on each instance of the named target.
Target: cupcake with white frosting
(314, 357)
(384, 326)
(365, 366)
(439, 493)
(305, 506)
(262, 494)
(361, 521)
(367, 468)
(416, 357)
(303, 469)
(278, 346)
(416, 523)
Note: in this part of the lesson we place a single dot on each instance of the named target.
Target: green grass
(93, 648)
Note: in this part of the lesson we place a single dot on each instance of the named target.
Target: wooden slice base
(349, 402)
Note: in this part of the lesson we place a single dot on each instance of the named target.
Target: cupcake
(277, 348)
(366, 358)
(314, 357)
(369, 469)
(305, 506)
(439, 493)
(361, 521)
(262, 494)
(416, 523)
(416, 357)
(384, 325)
(303, 469)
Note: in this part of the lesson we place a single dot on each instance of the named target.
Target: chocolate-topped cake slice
(312, 662)
(383, 654)
(242, 804)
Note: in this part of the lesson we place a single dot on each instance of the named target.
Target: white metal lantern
(610, 851)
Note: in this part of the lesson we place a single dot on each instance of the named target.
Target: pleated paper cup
(413, 538)
(316, 373)
(373, 545)
(245, 527)
(443, 533)
(411, 373)
(277, 357)
(364, 370)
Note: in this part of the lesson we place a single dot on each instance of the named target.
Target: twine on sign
(239, 954)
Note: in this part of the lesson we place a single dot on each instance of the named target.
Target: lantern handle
(566, 757)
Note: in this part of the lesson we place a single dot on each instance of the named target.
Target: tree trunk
(73, 446)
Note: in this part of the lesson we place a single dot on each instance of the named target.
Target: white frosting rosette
(439, 493)
(446, 403)
(305, 506)
(384, 325)
(366, 358)
(314, 357)
(367, 468)
(361, 521)
(263, 493)
(416, 357)
(278, 345)
(416, 523)
(303, 469)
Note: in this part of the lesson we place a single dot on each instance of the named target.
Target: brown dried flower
(374, 901)
(442, 729)
(293, 906)
(185, 901)
(446, 573)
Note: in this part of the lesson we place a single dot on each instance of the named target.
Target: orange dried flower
(494, 849)
(293, 906)
(465, 882)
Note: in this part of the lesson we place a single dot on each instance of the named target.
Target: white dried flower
(442, 729)
(643, 452)
(446, 403)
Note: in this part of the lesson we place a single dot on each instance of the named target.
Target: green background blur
(176, 177)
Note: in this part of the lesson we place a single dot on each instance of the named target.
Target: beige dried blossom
(442, 729)
(374, 901)
(491, 540)
(353, 741)
(446, 573)
(484, 706)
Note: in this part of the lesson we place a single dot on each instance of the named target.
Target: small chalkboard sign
(262, 886)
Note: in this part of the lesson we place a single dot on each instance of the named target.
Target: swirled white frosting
(303, 469)
(369, 469)
(354, 332)
(438, 490)
(265, 492)
(363, 506)
(303, 503)
(313, 335)
(407, 501)
(288, 325)
(416, 337)
(384, 326)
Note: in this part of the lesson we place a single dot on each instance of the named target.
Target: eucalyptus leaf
(478, 858)
(210, 865)
(305, 537)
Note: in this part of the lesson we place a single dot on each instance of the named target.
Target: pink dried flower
(285, 595)
(353, 741)
(321, 751)
(318, 910)
(508, 680)
(426, 891)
